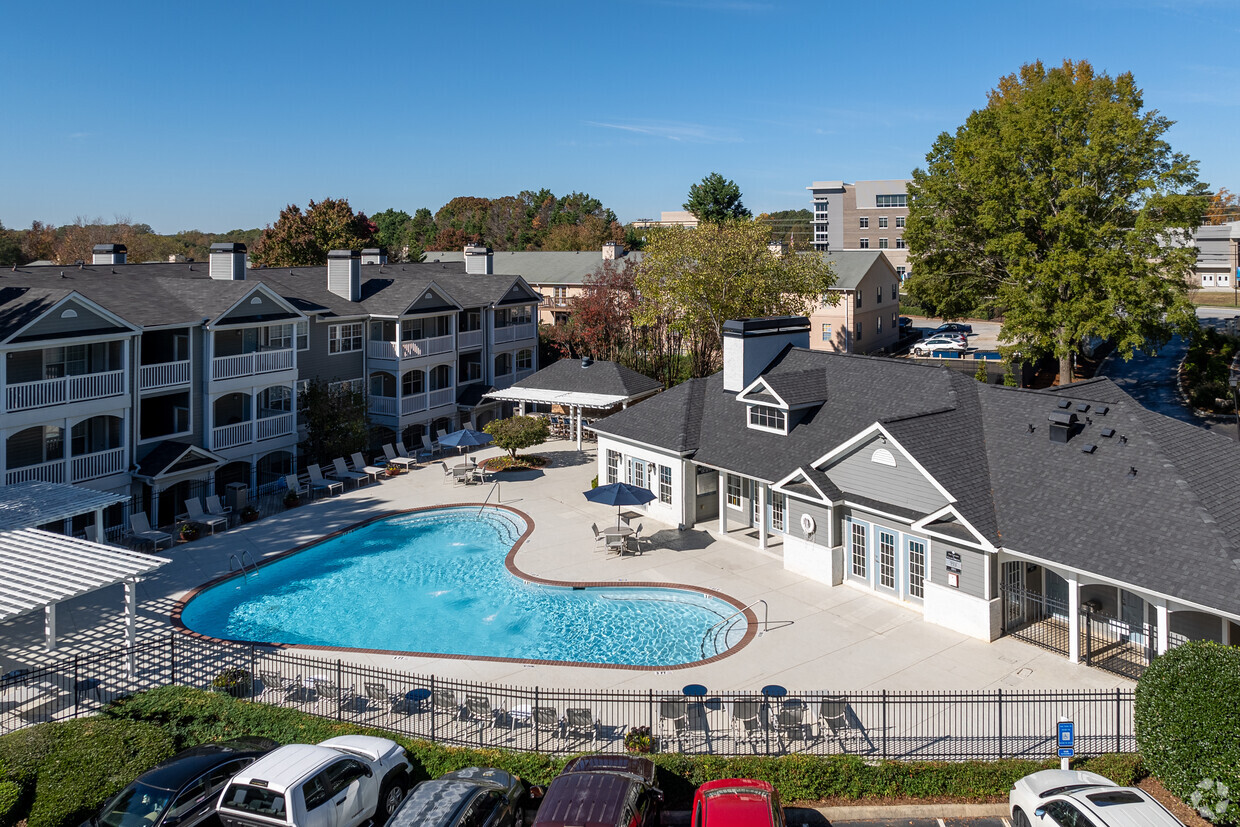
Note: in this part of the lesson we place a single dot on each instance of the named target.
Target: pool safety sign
(1066, 739)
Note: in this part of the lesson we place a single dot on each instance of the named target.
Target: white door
(885, 559)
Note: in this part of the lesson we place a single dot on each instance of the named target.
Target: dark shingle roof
(600, 377)
(799, 387)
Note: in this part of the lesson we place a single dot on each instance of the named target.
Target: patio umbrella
(618, 494)
(465, 438)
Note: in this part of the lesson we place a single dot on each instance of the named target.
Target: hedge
(136, 732)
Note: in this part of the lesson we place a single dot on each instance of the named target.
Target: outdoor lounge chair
(791, 722)
(445, 706)
(581, 723)
(430, 448)
(215, 509)
(318, 483)
(747, 723)
(142, 530)
(195, 515)
(835, 717)
(547, 719)
(378, 694)
(359, 465)
(395, 458)
(673, 721)
(479, 712)
(336, 696)
(291, 483)
(343, 473)
(277, 685)
(402, 450)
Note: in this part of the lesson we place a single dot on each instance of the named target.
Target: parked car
(942, 341)
(472, 797)
(953, 327)
(906, 325)
(737, 802)
(181, 790)
(603, 790)
(341, 782)
(1071, 798)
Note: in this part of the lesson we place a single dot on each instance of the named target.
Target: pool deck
(839, 638)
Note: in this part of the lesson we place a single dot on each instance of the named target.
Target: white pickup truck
(342, 782)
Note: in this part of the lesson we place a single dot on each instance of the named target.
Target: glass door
(1132, 613)
(885, 559)
(915, 588)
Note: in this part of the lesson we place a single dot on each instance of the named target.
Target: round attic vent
(69, 314)
(883, 457)
(256, 300)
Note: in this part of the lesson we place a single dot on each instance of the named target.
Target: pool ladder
(494, 490)
(723, 628)
(240, 564)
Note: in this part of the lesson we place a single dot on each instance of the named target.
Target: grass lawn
(1212, 298)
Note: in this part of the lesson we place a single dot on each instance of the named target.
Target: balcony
(416, 403)
(81, 468)
(470, 338)
(164, 375)
(53, 471)
(251, 364)
(270, 427)
(242, 433)
(515, 332)
(383, 405)
(65, 390)
(410, 349)
(445, 396)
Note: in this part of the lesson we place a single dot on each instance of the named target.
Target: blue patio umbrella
(618, 494)
(465, 438)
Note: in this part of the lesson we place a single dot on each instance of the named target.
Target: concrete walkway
(840, 638)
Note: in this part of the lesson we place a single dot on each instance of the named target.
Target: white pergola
(572, 401)
(34, 503)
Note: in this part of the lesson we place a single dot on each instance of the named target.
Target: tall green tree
(716, 198)
(701, 278)
(303, 239)
(792, 226)
(392, 231)
(1062, 202)
(422, 229)
(335, 420)
(10, 248)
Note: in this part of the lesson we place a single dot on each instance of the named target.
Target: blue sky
(215, 115)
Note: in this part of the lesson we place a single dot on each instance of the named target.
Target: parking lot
(985, 335)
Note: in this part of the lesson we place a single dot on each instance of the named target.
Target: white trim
(877, 428)
(778, 487)
(760, 381)
(982, 542)
(75, 296)
(271, 294)
(441, 293)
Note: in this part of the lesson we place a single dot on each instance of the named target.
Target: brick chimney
(344, 274)
(227, 261)
(478, 260)
(108, 254)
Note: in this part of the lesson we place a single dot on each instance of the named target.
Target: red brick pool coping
(751, 627)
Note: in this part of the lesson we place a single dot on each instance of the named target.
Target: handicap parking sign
(1066, 739)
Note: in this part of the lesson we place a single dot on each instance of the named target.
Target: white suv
(342, 782)
(1072, 798)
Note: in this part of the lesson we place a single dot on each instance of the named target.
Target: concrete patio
(839, 638)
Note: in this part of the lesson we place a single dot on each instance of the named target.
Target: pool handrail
(240, 561)
(494, 490)
(714, 630)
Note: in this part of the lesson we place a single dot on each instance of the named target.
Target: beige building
(669, 218)
(867, 317)
(867, 215)
(1218, 256)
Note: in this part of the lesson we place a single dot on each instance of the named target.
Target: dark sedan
(472, 797)
(953, 327)
(182, 790)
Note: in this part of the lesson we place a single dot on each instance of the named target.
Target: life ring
(807, 524)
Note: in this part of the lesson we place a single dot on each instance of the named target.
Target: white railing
(65, 389)
(163, 375)
(99, 464)
(53, 471)
(525, 331)
(230, 436)
(521, 374)
(274, 426)
(447, 396)
(381, 350)
(383, 405)
(248, 364)
(470, 338)
(413, 404)
(505, 334)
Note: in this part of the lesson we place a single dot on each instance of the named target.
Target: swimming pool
(435, 582)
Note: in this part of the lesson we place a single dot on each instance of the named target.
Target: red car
(737, 802)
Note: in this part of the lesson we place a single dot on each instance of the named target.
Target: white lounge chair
(402, 450)
(319, 483)
(429, 448)
(195, 515)
(359, 464)
(396, 458)
(291, 483)
(215, 509)
(343, 473)
(142, 530)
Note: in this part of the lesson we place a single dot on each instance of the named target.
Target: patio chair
(359, 465)
(439, 435)
(343, 473)
(791, 722)
(338, 696)
(96, 533)
(547, 719)
(378, 694)
(673, 721)
(142, 530)
(447, 472)
(598, 535)
(216, 509)
(430, 448)
(292, 483)
(747, 723)
(637, 538)
(276, 684)
(479, 712)
(835, 717)
(581, 723)
(445, 705)
(461, 475)
(402, 450)
(395, 458)
(617, 543)
(318, 483)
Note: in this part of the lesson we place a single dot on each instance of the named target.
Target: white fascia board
(602, 435)
(759, 381)
(982, 542)
(877, 429)
(269, 293)
(73, 295)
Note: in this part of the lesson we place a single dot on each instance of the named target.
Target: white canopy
(554, 397)
(28, 504)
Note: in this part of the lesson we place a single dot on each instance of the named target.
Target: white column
(99, 535)
(1164, 621)
(522, 407)
(578, 412)
(761, 492)
(154, 506)
(254, 475)
(49, 626)
(1226, 638)
(1074, 619)
(723, 503)
(131, 619)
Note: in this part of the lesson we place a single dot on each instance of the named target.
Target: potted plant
(291, 500)
(393, 470)
(248, 514)
(639, 740)
(236, 682)
(188, 532)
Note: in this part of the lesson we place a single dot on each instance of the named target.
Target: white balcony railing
(249, 364)
(53, 471)
(446, 396)
(470, 338)
(411, 348)
(515, 332)
(412, 404)
(505, 334)
(270, 427)
(230, 436)
(64, 390)
(163, 375)
(381, 350)
(99, 464)
(383, 405)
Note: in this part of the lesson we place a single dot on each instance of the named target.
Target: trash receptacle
(236, 496)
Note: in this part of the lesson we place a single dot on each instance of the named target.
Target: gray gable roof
(21, 305)
(851, 266)
(600, 377)
(541, 266)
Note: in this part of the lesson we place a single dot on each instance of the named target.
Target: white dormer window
(767, 418)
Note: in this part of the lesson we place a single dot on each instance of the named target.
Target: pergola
(573, 401)
(42, 569)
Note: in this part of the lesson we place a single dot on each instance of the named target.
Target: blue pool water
(435, 581)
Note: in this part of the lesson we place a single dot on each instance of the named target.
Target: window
(277, 337)
(525, 359)
(779, 506)
(826, 332)
(895, 321)
(764, 416)
(613, 466)
(895, 290)
(303, 335)
(559, 296)
(882, 244)
(857, 332)
(317, 790)
(900, 243)
(503, 364)
(1066, 815)
(878, 327)
(901, 272)
(734, 491)
(891, 200)
(858, 550)
(857, 298)
(863, 244)
(665, 484)
(348, 386)
(900, 221)
(343, 338)
(916, 568)
(887, 559)
(864, 223)
(882, 222)
(273, 400)
(878, 291)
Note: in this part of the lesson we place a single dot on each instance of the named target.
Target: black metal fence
(872, 724)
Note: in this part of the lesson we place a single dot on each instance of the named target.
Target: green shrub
(11, 795)
(1188, 721)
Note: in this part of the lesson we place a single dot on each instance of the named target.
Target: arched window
(441, 377)
(503, 364)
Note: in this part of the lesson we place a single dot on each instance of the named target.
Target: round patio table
(415, 697)
(694, 690)
(774, 690)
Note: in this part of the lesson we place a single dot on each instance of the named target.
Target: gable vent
(883, 457)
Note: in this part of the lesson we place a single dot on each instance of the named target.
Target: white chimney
(776, 248)
(612, 250)
(344, 274)
(750, 345)
(374, 255)
(227, 261)
(108, 254)
(478, 260)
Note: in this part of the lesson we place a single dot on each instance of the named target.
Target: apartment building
(144, 378)
(866, 215)
(866, 316)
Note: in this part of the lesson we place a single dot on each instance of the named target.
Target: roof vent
(1132, 471)
(1088, 448)
(108, 254)
(344, 274)
(226, 261)
(1101, 410)
(1082, 407)
(1108, 432)
(586, 361)
(1063, 425)
(1123, 440)
(1065, 403)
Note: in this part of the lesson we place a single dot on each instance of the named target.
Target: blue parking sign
(1066, 739)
